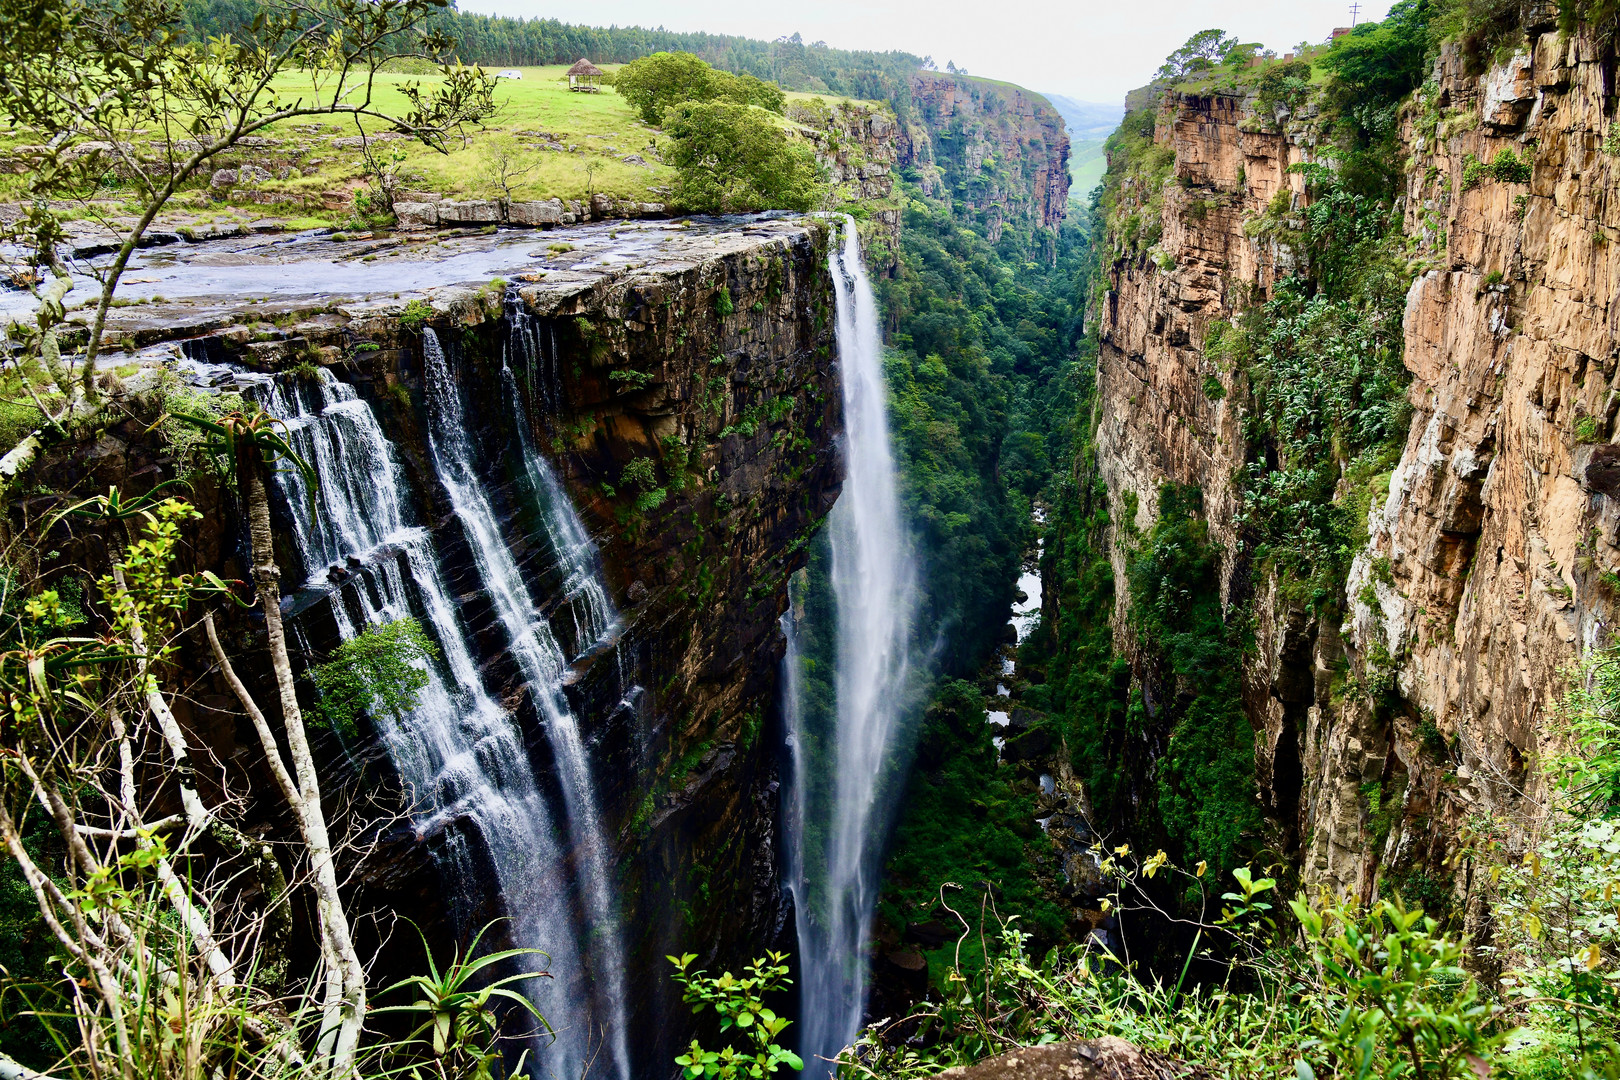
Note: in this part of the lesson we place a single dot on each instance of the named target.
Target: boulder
(471, 212)
(1031, 745)
(416, 215)
(1107, 1058)
(549, 212)
(223, 178)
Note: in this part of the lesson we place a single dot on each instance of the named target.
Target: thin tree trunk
(196, 921)
(82, 944)
(345, 1005)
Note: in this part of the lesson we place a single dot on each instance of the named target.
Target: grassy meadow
(564, 144)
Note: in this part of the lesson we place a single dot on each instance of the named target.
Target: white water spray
(874, 585)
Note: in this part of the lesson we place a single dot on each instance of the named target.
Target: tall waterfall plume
(844, 775)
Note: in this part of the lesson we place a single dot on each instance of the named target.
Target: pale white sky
(1093, 50)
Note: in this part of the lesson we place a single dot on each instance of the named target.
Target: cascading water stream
(461, 754)
(542, 663)
(458, 752)
(874, 587)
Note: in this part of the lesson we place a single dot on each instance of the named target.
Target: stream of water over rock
(539, 846)
(838, 815)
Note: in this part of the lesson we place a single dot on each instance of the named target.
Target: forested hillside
(499, 41)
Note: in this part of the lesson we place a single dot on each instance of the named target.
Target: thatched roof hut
(585, 76)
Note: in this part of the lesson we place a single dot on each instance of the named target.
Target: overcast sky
(1093, 50)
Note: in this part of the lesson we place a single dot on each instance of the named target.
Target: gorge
(921, 610)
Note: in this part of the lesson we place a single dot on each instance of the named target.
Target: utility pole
(1355, 10)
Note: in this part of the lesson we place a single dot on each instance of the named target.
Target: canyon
(844, 587)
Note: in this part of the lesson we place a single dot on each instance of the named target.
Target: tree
(655, 83)
(745, 89)
(1380, 62)
(730, 158)
(1202, 51)
(148, 108)
(505, 164)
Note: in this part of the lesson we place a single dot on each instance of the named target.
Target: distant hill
(1089, 124)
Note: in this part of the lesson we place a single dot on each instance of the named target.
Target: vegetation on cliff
(1317, 987)
(1158, 729)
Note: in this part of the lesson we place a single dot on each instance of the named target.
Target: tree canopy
(1202, 51)
(657, 82)
(731, 158)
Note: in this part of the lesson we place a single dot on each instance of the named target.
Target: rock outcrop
(998, 150)
(1107, 1058)
(1489, 566)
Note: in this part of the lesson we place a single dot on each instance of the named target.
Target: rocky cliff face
(996, 149)
(1486, 569)
(685, 389)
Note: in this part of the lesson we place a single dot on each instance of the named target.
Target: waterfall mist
(844, 773)
(538, 847)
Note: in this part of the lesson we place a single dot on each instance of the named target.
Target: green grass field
(595, 130)
(568, 145)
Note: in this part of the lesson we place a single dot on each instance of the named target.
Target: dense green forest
(982, 370)
(496, 40)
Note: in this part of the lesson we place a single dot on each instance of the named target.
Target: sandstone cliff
(1488, 562)
(998, 151)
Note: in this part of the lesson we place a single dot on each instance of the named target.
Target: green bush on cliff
(379, 673)
(1328, 385)
(1191, 684)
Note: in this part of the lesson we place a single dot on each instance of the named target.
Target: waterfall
(460, 754)
(842, 782)
(543, 665)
